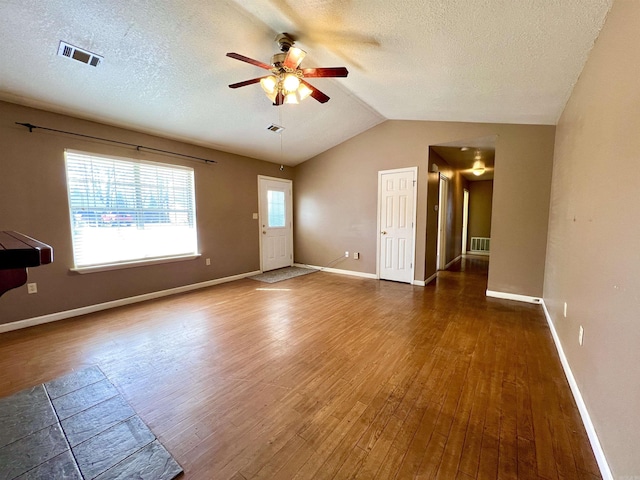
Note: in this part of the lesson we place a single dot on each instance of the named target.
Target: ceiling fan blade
(315, 93)
(294, 57)
(242, 58)
(325, 72)
(246, 82)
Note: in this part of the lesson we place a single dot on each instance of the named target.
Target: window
(276, 208)
(126, 211)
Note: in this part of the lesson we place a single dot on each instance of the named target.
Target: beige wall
(480, 194)
(335, 198)
(593, 259)
(33, 201)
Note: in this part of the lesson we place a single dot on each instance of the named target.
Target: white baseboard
(605, 471)
(338, 271)
(478, 252)
(431, 278)
(373, 276)
(452, 262)
(53, 317)
(513, 296)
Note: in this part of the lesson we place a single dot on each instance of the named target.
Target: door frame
(465, 219)
(414, 170)
(289, 216)
(443, 206)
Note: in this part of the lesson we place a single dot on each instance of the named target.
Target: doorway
(396, 224)
(276, 222)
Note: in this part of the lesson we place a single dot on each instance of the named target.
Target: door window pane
(276, 208)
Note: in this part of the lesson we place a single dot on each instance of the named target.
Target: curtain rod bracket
(137, 147)
(28, 125)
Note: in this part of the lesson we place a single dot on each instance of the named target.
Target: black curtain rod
(137, 147)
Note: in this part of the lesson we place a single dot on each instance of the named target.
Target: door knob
(383, 232)
(263, 232)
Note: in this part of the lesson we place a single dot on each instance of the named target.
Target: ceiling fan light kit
(286, 83)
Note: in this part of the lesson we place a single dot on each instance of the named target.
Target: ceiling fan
(286, 83)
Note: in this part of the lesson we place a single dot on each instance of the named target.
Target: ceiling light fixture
(478, 165)
(478, 168)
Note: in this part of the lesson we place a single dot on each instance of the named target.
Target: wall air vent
(480, 244)
(84, 56)
(275, 128)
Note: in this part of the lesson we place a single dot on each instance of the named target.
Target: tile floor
(78, 427)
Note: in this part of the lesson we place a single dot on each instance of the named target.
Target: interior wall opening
(459, 211)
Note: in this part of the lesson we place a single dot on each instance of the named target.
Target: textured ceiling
(165, 69)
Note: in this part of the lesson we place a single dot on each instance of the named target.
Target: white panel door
(276, 223)
(396, 220)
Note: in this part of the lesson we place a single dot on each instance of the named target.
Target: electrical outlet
(580, 335)
(207, 262)
(346, 254)
(32, 287)
(356, 255)
(565, 309)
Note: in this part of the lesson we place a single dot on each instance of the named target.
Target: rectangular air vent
(480, 244)
(275, 128)
(75, 53)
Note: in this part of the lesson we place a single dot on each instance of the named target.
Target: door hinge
(414, 183)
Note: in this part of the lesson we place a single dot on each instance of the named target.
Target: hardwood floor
(325, 376)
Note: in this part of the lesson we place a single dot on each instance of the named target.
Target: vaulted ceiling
(165, 70)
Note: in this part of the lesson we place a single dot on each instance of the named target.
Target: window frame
(136, 262)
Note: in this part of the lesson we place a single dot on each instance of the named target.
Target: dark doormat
(281, 274)
(78, 427)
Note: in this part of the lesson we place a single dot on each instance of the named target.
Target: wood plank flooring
(325, 376)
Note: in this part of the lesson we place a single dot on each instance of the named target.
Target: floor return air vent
(480, 244)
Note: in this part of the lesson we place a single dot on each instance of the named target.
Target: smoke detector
(70, 51)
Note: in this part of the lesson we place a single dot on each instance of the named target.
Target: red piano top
(20, 251)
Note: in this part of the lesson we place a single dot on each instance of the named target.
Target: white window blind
(126, 210)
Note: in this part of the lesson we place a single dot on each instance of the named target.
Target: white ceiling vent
(84, 56)
(275, 128)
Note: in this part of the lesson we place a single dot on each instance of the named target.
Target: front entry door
(276, 223)
(396, 218)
